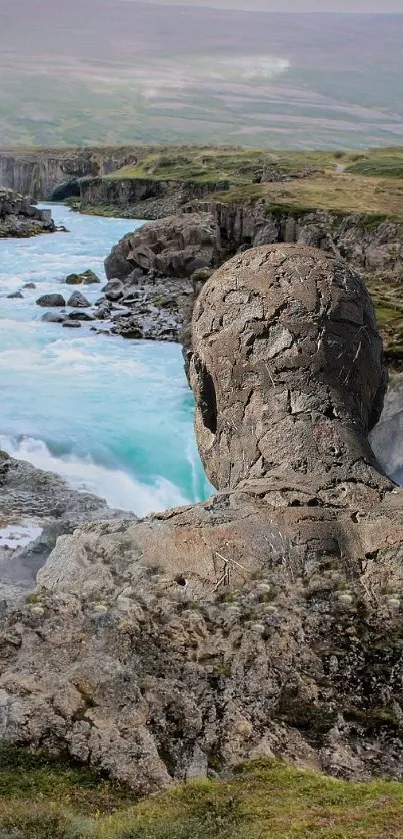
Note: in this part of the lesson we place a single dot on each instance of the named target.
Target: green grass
(223, 163)
(314, 179)
(266, 799)
(378, 165)
(387, 297)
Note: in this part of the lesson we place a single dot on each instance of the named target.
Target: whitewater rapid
(111, 416)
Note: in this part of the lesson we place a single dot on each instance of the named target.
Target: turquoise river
(112, 416)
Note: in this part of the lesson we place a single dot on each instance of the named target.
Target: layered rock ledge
(266, 620)
(20, 218)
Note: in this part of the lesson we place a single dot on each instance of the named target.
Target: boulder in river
(78, 300)
(16, 295)
(74, 279)
(20, 218)
(48, 300)
(71, 323)
(85, 278)
(89, 277)
(29, 285)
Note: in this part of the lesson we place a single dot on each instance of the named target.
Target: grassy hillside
(112, 71)
(264, 800)
(367, 182)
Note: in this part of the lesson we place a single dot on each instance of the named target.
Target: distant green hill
(96, 71)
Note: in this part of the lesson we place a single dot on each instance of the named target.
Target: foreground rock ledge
(267, 620)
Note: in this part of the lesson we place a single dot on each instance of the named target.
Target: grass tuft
(266, 799)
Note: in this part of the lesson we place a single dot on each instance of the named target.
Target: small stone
(101, 608)
(345, 598)
(36, 609)
(53, 317)
(258, 627)
(133, 332)
(80, 315)
(71, 324)
(16, 295)
(29, 285)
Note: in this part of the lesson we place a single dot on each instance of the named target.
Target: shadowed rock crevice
(207, 398)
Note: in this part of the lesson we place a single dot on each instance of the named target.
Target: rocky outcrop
(151, 275)
(372, 244)
(375, 248)
(20, 218)
(43, 502)
(266, 620)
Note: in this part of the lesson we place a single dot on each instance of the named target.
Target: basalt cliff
(55, 173)
(267, 620)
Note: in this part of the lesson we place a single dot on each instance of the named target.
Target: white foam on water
(18, 534)
(117, 487)
(112, 417)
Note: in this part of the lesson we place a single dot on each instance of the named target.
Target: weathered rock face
(259, 339)
(155, 267)
(364, 243)
(44, 174)
(19, 218)
(266, 620)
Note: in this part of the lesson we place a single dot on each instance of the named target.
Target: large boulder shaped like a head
(287, 364)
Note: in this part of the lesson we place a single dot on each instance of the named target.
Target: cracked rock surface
(267, 620)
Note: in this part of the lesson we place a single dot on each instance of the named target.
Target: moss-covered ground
(267, 799)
